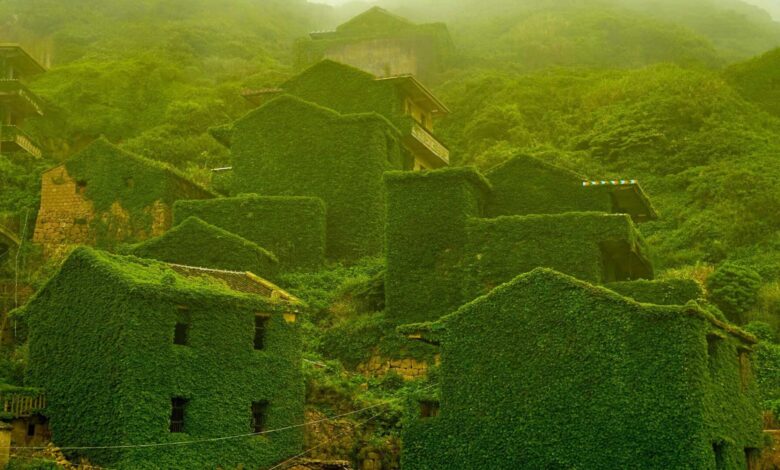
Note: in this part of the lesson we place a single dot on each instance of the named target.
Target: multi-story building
(17, 102)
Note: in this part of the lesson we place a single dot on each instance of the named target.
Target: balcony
(20, 402)
(13, 139)
(13, 93)
(422, 143)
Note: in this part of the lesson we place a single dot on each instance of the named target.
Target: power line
(291, 459)
(219, 439)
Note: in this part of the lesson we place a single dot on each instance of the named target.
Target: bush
(734, 289)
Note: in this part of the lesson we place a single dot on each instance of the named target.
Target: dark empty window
(81, 187)
(130, 182)
(713, 342)
(752, 458)
(259, 412)
(181, 332)
(178, 412)
(719, 449)
(30, 429)
(744, 368)
(429, 409)
(261, 324)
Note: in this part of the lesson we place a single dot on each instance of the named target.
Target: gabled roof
(21, 59)
(176, 246)
(375, 19)
(554, 281)
(167, 279)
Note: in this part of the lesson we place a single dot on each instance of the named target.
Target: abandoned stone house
(402, 99)
(382, 44)
(135, 351)
(17, 102)
(103, 196)
(547, 371)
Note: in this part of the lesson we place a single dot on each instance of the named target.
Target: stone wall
(333, 442)
(66, 216)
(409, 369)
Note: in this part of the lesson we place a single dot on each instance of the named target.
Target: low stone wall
(409, 369)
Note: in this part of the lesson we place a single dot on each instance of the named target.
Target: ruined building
(402, 99)
(133, 352)
(103, 196)
(382, 44)
(547, 371)
(17, 102)
(544, 368)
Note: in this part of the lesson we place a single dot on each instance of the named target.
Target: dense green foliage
(734, 289)
(594, 247)
(766, 365)
(196, 243)
(292, 228)
(101, 343)
(551, 372)
(756, 80)
(526, 185)
(349, 91)
(426, 232)
(289, 147)
(660, 292)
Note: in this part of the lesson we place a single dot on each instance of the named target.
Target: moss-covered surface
(426, 233)
(111, 175)
(660, 292)
(527, 185)
(591, 246)
(293, 228)
(348, 90)
(289, 147)
(197, 243)
(550, 372)
(101, 344)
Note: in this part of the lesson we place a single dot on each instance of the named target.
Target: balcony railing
(15, 89)
(430, 143)
(14, 139)
(22, 404)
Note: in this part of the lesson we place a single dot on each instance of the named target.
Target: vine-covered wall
(426, 234)
(293, 228)
(527, 185)
(104, 196)
(550, 372)
(101, 336)
(289, 147)
(579, 244)
(197, 243)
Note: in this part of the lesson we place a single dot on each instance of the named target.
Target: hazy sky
(772, 5)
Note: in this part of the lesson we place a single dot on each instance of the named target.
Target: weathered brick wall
(409, 369)
(66, 216)
(65, 213)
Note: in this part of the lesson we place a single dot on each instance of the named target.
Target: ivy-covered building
(454, 234)
(383, 44)
(547, 371)
(402, 99)
(104, 195)
(134, 352)
(17, 102)
(290, 147)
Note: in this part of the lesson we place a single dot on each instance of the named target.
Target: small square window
(81, 187)
(259, 412)
(429, 409)
(261, 325)
(178, 413)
